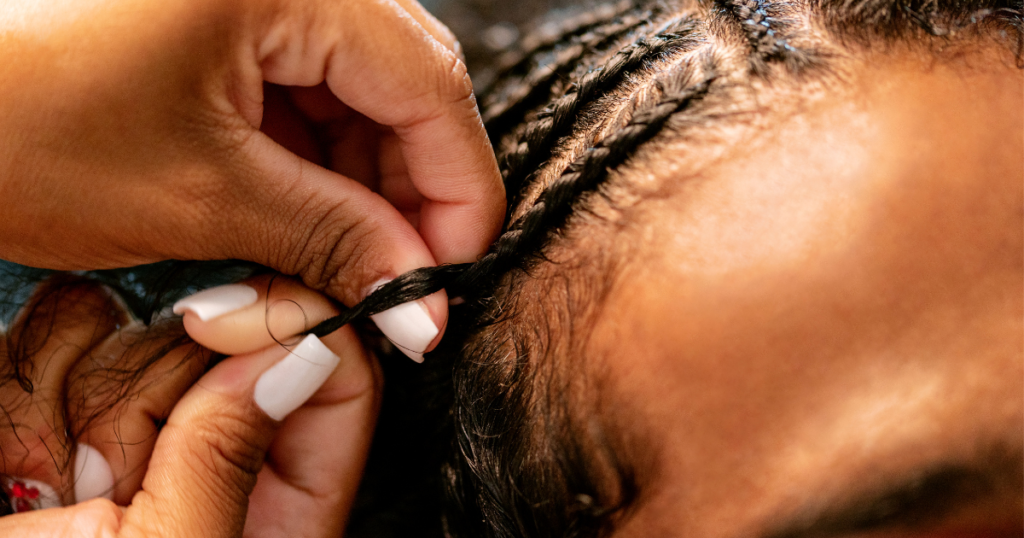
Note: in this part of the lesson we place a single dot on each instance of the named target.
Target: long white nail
(26, 494)
(290, 382)
(408, 326)
(215, 302)
(93, 477)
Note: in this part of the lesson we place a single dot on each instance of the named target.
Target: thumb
(333, 232)
(206, 459)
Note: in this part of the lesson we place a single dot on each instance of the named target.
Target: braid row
(522, 243)
(765, 33)
(588, 172)
(502, 111)
(756, 25)
(517, 63)
(537, 142)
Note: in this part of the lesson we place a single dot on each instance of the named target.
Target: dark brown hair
(495, 416)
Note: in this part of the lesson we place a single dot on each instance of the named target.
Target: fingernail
(93, 477)
(289, 383)
(407, 325)
(215, 302)
(26, 494)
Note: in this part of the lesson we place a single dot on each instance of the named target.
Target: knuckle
(447, 37)
(456, 86)
(100, 516)
(304, 228)
(449, 94)
(338, 249)
(227, 453)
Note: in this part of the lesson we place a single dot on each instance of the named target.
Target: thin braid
(521, 244)
(494, 491)
(766, 34)
(409, 286)
(589, 171)
(517, 63)
(502, 111)
(537, 142)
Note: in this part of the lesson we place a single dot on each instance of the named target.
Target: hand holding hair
(337, 141)
(243, 449)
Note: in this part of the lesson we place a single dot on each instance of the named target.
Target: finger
(352, 137)
(394, 184)
(257, 313)
(119, 395)
(207, 456)
(420, 90)
(437, 30)
(301, 471)
(337, 235)
(62, 321)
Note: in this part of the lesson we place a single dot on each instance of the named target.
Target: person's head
(762, 277)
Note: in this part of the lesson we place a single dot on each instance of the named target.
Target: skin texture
(832, 310)
(838, 317)
(218, 466)
(133, 130)
(336, 141)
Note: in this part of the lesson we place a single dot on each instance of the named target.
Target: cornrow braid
(503, 111)
(521, 244)
(766, 32)
(588, 172)
(517, 63)
(540, 490)
(537, 143)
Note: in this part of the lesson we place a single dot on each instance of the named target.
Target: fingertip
(437, 307)
(213, 303)
(464, 196)
(356, 375)
(461, 233)
(100, 516)
(413, 327)
(282, 309)
(290, 382)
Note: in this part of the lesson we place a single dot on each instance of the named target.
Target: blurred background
(488, 28)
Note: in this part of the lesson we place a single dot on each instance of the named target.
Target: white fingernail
(93, 477)
(215, 302)
(26, 494)
(408, 326)
(290, 382)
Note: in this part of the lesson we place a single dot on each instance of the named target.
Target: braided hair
(574, 115)
(573, 118)
(766, 34)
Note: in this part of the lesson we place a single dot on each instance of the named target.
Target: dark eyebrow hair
(914, 501)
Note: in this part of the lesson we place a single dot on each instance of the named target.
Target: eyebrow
(924, 498)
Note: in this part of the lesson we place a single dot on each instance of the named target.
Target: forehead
(837, 302)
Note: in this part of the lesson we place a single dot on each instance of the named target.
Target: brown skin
(132, 129)
(845, 311)
(219, 466)
(833, 311)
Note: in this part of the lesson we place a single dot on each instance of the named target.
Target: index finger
(380, 61)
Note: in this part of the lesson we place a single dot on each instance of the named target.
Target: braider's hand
(337, 140)
(270, 442)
